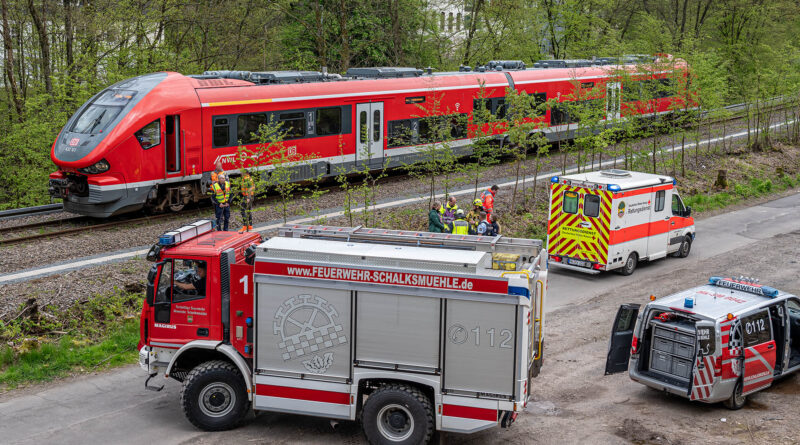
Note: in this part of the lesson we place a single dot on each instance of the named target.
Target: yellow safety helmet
(477, 202)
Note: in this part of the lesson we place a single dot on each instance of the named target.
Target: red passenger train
(153, 140)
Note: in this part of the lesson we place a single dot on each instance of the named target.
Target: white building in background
(452, 16)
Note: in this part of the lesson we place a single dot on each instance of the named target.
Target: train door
(613, 101)
(369, 141)
(173, 146)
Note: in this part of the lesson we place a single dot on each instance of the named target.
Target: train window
(591, 206)
(559, 115)
(95, 118)
(150, 135)
(500, 107)
(247, 127)
(539, 100)
(329, 121)
(458, 126)
(221, 133)
(362, 129)
(293, 125)
(376, 125)
(402, 132)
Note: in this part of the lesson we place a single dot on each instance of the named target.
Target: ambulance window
(756, 329)
(660, 198)
(570, 204)
(677, 205)
(591, 206)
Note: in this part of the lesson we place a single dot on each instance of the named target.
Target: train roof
(304, 85)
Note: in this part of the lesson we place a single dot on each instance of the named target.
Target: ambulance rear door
(658, 229)
(579, 224)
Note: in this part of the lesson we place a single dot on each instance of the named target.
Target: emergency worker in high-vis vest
(460, 224)
(221, 197)
(248, 187)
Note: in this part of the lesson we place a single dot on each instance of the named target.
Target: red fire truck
(409, 332)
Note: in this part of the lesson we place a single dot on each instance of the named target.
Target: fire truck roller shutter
(480, 347)
(398, 330)
(303, 330)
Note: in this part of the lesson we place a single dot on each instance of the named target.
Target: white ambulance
(612, 219)
(713, 343)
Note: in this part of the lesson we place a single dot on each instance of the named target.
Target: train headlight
(100, 166)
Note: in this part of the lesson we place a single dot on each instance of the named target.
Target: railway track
(30, 211)
(69, 230)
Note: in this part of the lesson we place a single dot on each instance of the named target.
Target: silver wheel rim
(391, 430)
(685, 248)
(217, 399)
(629, 264)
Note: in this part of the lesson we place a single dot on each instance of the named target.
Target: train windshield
(96, 117)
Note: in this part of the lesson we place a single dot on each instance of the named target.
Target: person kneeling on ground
(435, 219)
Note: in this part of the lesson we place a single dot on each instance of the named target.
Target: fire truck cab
(612, 219)
(713, 343)
(409, 332)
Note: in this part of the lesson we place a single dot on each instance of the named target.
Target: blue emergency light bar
(744, 286)
(613, 188)
(554, 179)
(186, 233)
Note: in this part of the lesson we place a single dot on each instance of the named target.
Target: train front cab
(703, 359)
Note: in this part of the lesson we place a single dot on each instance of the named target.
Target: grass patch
(737, 192)
(40, 344)
(68, 354)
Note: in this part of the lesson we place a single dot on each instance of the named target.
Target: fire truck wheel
(397, 414)
(737, 400)
(630, 264)
(686, 246)
(214, 397)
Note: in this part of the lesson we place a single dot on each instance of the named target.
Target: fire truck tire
(630, 264)
(214, 396)
(397, 414)
(737, 400)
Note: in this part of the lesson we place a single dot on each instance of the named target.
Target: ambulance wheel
(630, 264)
(686, 246)
(737, 400)
(214, 396)
(397, 414)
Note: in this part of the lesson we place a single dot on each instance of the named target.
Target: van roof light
(554, 179)
(745, 284)
(614, 188)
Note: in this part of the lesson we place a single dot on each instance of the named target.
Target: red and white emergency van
(612, 219)
(409, 332)
(713, 343)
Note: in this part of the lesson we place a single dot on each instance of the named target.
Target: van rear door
(579, 222)
(759, 351)
(619, 348)
(703, 372)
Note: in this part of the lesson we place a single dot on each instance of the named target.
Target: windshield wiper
(97, 121)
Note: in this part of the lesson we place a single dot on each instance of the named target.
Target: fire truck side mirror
(151, 283)
(250, 255)
(153, 253)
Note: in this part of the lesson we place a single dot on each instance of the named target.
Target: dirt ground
(573, 402)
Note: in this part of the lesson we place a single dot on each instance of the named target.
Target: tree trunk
(40, 22)
(473, 23)
(16, 98)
